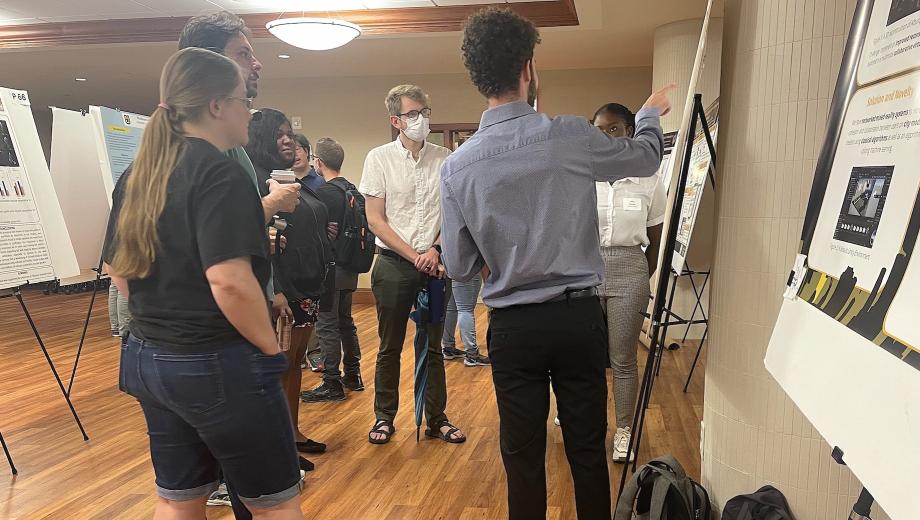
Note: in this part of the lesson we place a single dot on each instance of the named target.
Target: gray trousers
(337, 334)
(119, 315)
(624, 296)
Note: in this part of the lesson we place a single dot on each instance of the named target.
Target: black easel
(17, 293)
(659, 320)
(863, 506)
(89, 313)
(9, 458)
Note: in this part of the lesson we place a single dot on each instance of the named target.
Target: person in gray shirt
(518, 203)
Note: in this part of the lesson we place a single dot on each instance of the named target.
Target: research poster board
(118, 137)
(34, 243)
(697, 176)
(667, 155)
(671, 175)
(77, 175)
(846, 345)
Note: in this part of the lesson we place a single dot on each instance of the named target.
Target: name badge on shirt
(632, 204)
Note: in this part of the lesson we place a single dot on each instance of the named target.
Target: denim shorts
(207, 411)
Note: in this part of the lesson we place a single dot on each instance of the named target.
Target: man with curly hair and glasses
(518, 203)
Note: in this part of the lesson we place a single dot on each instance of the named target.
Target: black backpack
(354, 247)
(767, 503)
(301, 267)
(661, 490)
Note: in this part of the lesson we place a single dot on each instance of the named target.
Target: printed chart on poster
(34, 243)
(118, 136)
(697, 176)
(664, 171)
(846, 345)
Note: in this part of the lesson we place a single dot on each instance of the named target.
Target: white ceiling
(612, 33)
(20, 12)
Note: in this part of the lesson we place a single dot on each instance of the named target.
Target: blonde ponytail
(191, 79)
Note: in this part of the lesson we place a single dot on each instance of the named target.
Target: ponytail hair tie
(164, 106)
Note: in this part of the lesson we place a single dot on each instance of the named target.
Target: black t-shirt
(211, 214)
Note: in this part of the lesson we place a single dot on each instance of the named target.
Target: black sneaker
(476, 360)
(353, 382)
(453, 353)
(311, 446)
(305, 465)
(328, 391)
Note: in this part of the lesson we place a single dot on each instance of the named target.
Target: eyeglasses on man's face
(412, 115)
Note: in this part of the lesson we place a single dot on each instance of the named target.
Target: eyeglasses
(245, 101)
(412, 115)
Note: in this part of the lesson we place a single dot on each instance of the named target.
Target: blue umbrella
(430, 306)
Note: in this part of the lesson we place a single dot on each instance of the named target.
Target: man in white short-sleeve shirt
(401, 183)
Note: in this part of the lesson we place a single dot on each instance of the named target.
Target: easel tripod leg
(9, 458)
(57, 378)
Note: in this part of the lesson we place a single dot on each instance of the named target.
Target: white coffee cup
(284, 176)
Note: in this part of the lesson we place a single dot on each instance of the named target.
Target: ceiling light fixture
(79, 79)
(284, 56)
(314, 34)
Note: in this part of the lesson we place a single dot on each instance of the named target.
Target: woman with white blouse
(630, 216)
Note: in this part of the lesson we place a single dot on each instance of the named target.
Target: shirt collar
(505, 112)
(405, 152)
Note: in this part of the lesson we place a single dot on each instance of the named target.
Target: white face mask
(417, 130)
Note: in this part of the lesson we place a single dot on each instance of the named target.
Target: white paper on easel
(679, 146)
(77, 177)
(34, 243)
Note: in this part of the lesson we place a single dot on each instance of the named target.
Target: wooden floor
(110, 476)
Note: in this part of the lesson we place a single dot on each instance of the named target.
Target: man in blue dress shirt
(519, 203)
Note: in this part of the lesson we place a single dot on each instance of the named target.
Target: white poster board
(118, 137)
(846, 345)
(697, 176)
(680, 144)
(76, 172)
(34, 243)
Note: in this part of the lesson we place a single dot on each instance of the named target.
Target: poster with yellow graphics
(118, 137)
(846, 344)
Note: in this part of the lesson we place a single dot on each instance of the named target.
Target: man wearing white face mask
(401, 186)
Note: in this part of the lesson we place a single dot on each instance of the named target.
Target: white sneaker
(220, 497)
(556, 420)
(621, 444)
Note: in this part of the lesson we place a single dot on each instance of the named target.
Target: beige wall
(351, 109)
(780, 60)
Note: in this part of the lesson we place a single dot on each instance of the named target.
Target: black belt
(392, 254)
(575, 294)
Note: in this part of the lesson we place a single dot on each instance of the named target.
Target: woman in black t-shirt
(186, 244)
(301, 268)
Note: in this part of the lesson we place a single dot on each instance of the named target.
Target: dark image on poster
(863, 204)
(8, 156)
(901, 9)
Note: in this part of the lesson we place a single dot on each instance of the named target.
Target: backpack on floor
(661, 490)
(354, 247)
(767, 503)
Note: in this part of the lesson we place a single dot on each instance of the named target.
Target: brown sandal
(446, 437)
(378, 428)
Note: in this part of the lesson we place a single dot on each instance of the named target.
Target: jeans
(337, 335)
(563, 344)
(212, 410)
(462, 304)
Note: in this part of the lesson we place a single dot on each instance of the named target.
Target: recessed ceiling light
(284, 56)
(79, 79)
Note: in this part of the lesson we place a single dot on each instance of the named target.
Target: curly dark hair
(263, 141)
(497, 43)
(212, 31)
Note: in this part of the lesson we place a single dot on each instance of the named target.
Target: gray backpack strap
(673, 464)
(659, 497)
(627, 500)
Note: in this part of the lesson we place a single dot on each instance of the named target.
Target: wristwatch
(437, 247)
